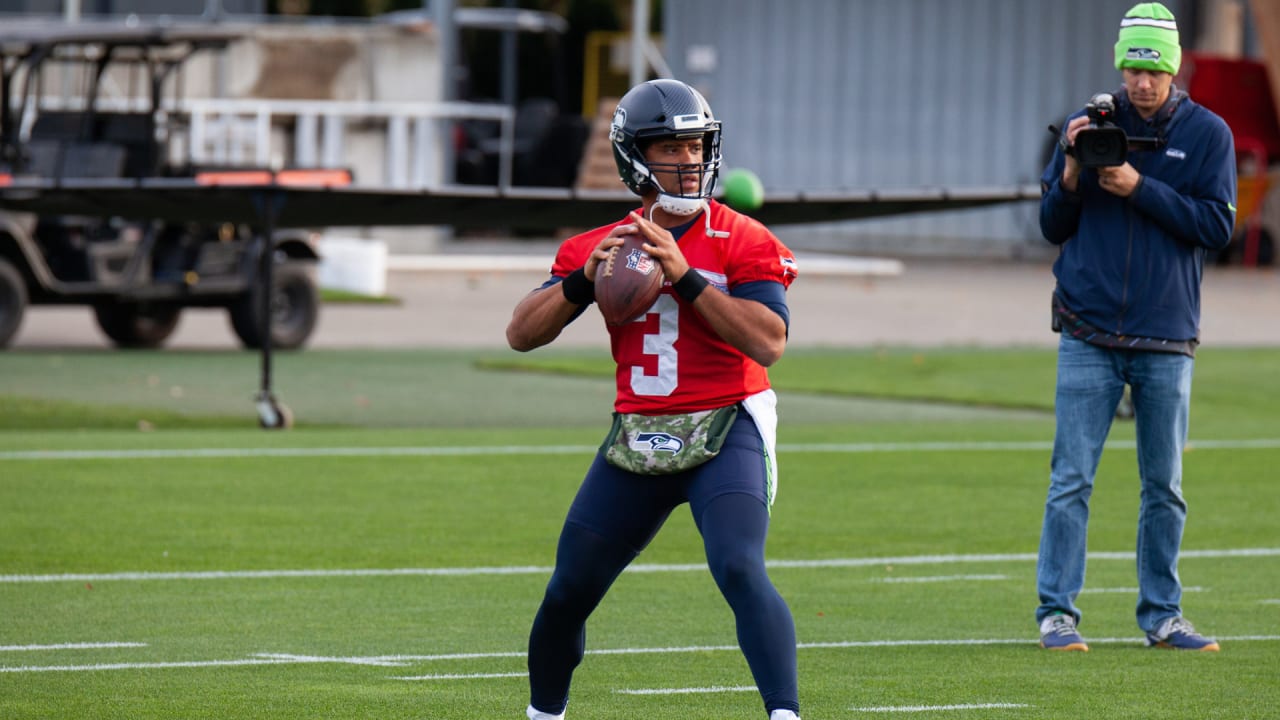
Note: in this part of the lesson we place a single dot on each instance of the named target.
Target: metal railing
(256, 132)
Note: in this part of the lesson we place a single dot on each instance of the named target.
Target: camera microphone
(1101, 108)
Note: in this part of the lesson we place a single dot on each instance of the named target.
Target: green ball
(742, 190)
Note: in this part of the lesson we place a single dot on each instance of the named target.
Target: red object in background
(1239, 91)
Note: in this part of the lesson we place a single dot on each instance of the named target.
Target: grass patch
(336, 296)
(447, 388)
(34, 414)
(1229, 381)
(307, 573)
(929, 628)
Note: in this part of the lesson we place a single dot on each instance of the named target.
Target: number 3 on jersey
(663, 345)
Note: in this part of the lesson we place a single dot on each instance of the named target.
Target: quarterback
(694, 417)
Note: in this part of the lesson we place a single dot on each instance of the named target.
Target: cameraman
(1132, 243)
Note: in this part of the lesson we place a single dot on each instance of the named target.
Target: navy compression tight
(733, 526)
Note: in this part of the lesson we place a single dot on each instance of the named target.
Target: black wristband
(690, 286)
(577, 288)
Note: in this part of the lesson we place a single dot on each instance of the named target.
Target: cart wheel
(295, 306)
(13, 301)
(273, 414)
(137, 325)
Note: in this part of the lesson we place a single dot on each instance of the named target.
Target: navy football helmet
(665, 109)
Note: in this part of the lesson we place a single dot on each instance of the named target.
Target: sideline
(637, 568)
(463, 451)
(814, 264)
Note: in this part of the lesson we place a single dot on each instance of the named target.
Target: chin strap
(712, 233)
(678, 205)
(706, 216)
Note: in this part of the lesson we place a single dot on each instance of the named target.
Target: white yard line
(196, 453)
(473, 450)
(932, 708)
(939, 578)
(401, 660)
(72, 646)
(470, 676)
(687, 691)
(638, 568)
(1134, 590)
(1002, 641)
(145, 666)
(286, 657)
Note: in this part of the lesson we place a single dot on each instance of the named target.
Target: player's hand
(601, 253)
(661, 246)
(1120, 180)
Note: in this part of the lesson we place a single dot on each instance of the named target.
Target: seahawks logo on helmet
(619, 122)
(656, 442)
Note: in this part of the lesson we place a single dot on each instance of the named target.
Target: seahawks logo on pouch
(1143, 54)
(656, 442)
(1175, 153)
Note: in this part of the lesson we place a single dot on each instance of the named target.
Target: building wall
(90, 8)
(862, 94)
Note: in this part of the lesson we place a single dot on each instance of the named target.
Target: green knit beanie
(1149, 39)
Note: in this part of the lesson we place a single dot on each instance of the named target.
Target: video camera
(1103, 143)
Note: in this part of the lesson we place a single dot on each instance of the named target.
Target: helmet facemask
(675, 200)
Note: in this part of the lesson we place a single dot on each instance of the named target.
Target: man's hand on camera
(1071, 172)
(1120, 180)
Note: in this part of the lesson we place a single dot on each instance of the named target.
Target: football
(628, 283)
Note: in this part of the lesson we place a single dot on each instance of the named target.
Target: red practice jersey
(670, 360)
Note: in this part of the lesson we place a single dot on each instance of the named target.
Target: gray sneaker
(1177, 634)
(1058, 632)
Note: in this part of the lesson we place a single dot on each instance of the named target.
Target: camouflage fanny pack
(665, 444)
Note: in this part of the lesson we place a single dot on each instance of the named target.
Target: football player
(699, 354)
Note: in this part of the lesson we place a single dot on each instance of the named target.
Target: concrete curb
(820, 265)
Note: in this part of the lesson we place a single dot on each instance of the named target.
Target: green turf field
(160, 557)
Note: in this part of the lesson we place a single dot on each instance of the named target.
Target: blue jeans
(1091, 382)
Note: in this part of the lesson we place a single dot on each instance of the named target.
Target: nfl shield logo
(640, 261)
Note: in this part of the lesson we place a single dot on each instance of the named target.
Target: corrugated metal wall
(859, 94)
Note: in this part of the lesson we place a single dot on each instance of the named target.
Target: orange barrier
(306, 177)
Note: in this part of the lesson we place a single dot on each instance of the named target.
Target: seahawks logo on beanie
(1149, 39)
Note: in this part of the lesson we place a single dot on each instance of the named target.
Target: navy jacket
(1132, 266)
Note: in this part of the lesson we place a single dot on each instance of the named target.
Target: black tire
(137, 325)
(13, 301)
(295, 306)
